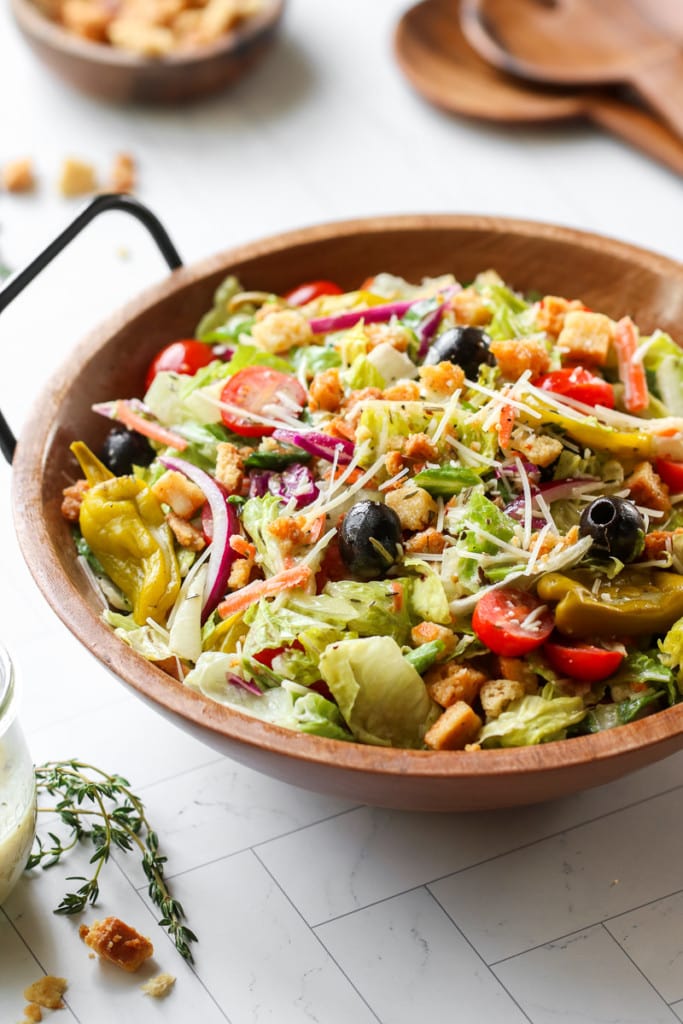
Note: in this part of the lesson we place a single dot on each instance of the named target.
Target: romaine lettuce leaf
(373, 607)
(147, 641)
(257, 515)
(380, 422)
(608, 716)
(482, 513)
(533, 719)
(380, 695)
(362, 374)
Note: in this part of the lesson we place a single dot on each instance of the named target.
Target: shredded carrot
(155, 431)
(506, 422)
(288, 579)
(353, 476)
(631, 371)
(241, 545)
(397, 590)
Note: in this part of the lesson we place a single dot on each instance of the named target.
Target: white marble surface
(307, 908)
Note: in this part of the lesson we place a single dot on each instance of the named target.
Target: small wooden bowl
(608, 275)
(118, 76)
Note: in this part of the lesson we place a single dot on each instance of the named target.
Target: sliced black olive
(123, 449)
(370, 539)
(616, 527)
(467, 347)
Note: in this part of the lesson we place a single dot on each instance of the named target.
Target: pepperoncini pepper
(632, 604)
(122, 521)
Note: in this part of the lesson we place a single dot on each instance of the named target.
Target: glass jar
(17, 785)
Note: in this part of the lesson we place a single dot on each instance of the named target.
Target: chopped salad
(428, 516)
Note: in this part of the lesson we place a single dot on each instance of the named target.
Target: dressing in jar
(17, 786)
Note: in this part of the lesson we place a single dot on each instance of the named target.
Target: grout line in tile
(591, 924)
(181, 774)
(263, 842)
(630, 958)
(476, 952)
(148, 905)
(498, 856)
(95, 709)
(34, 957)
(316, 937)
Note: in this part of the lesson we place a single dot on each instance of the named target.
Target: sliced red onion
(296, 481)
(321, 445)
(371, 315)
(108, 409)
(225, 524)
(244, 684)
(223, 352)
(555, 490)
(428, 328)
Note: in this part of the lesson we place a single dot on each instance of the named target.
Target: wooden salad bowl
(608, 275)
(116, 75)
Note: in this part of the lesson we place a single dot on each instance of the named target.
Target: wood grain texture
(122, 77)
(437, 59)
(607, 275)
(579, 42)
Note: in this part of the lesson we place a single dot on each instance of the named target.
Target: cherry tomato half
(582, 661)
(671, 473)
(253, 389)
(310, 290)
(579, 384)
(186, 356)
(504, 621)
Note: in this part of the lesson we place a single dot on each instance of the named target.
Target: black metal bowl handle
(17, 282)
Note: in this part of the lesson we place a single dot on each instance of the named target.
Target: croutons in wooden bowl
(147, 67)
(608, 275)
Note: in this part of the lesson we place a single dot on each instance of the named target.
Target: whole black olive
(122, 449)
(467, 347)
(616, 526)
(370, 539)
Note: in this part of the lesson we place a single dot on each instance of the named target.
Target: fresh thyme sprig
(101, 809)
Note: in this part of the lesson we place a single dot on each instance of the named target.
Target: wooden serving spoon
(438, 61)
(583, 42)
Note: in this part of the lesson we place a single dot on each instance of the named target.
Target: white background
(308, 908)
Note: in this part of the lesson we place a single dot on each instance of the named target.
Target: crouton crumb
(33, 1013)
(159, 986)
(117, 942)
(47, 992)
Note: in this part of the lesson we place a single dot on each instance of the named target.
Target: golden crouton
(430, 541)
(33, 1013)
(77, 178)
(281, 330)
(442, 380)
(187, 535)
(660, 542)
(86, 19)
(403, 391)
(17, 176)
(453, 683)
(47, 992)
(184, 497)
(420, 447)
(413, 505)
(326, 391)
(387, 334)
(647, 488)
(135, 36)
(117, 942)
(229, 467)
(470, 309)
(517, 355)
(519, 670)
(538, 448)
(240, 573)
(586, 337)
(456, 727)
(497, 694)
(552, 310)
(426, 632)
